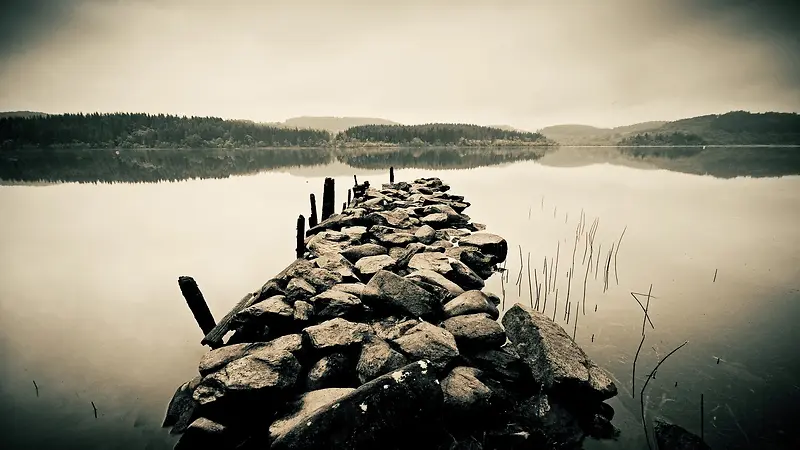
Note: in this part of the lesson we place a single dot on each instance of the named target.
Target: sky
(525, 63)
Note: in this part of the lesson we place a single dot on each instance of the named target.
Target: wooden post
(349, 196)
(355, 179)
(301, 234)
(391, 174)
(197, 304)
(328, 199)
(312, 219)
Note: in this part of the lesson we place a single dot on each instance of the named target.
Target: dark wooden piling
(391, 174)
(301, 234)
(197, 303)
(328, 199)
(312, 219)
(355, 180)
(349, 196)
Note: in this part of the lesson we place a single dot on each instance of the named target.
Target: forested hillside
(436, 134)
(126, 130)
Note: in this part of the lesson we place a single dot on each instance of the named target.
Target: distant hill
(574, 134)
(436, 134)
(4, 114)
(733, 128)
(331, 124)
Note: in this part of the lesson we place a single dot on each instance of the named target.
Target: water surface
(90, 308)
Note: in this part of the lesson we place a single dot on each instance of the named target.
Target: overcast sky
(526, 63)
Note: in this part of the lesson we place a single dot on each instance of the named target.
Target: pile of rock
(380, 337)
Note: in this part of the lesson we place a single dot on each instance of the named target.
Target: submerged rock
(674, 437)
(427, 341)
(389, 292)
(379, 414)
(554, 359)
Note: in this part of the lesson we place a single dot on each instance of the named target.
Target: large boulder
(328, 242)
(389, 292)
(470, 302)
(474, 259)
(260, 377)
(427, 341)
(275, 308)
(379, 414)
(555, 360)
(218, 358)
(337, 264)
(182, 407)
(331, 304)
(437, 279)
(502, 364)
(301, 409)
(378, 358)
(299, 289)
(425, 234)
(356, 289)
(673, 437)
(488, 243)
(370, 265)
(391, 328)
(357, 252)
(464, 393)
(391, 236)
(450, 268)
(395, 218)
(435, 220)
(336, 334)
(475, 331)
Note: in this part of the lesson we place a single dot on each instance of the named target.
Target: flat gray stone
(336, 334)
(474, 331)
(427, 341)
(470, 302)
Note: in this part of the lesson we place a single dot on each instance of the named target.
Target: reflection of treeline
(722, 162)
(125, 130)
(437, 134)
(437, 158)
(149, 165)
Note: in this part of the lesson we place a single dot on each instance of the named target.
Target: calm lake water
(91, 311)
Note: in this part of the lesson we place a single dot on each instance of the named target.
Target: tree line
(437, 134)
(127, 130)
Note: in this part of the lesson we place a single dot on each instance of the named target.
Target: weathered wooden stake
(355, 180)
(349, 196)
(391, 174)
(197, 303)
(301, 234)
(312, 219)
(344, 206)
(328, 199)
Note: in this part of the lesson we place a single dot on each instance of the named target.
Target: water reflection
(169, 165)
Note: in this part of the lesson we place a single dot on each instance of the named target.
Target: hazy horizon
(525, 64)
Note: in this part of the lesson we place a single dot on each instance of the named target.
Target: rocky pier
(381, 337)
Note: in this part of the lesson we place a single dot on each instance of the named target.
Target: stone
(328, 242)
(475, 331)
(271, 309)
(299, 289)
(322, 279)
(440, 294)
(353, 217)
(464, 393)
(205, 433)
(357, 252)
(502, 364)
(473, 258)
(435, 220)
(389, 292)
(333, 303)
(334, 370)
(301, 409)
(397, 252)
(493, 298)
(554, 359)
(379, 414)
(336, 334)
(439, 246)
(356, 233)
(410, 250)
(182, 408)
(395, 218)
(674, 437)
(378, 358)
(429, 276)
(427, 341)
(303, 311)
(370, 265)
(489, 244)
(470, 302)
(392, 328)
(262, 375)
(447, 234)
(337, 264)
(351, 288)
(271, 288)
(218, 358)
(550, 424)
(391, 236)
(450, 268)
(425, 234)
